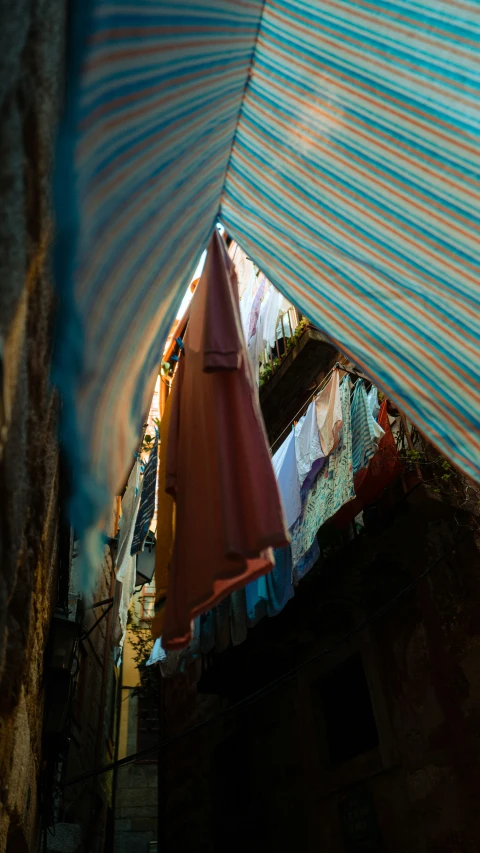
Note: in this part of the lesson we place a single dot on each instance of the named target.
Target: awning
(337, 141)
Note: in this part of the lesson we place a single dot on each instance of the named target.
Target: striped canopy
(338, 143)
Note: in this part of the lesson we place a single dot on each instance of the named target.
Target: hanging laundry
(374, 407)
(243, 267)
(247, 300)
(255, 310)
(130, 505)
(329, 413)
(228, 509)
(147, 503)
(171, 663)
(333, 486)
(307, 443)
(364, 442)
(285, 466)
(271, 316)
(306, 562)
(126, 562)
(370, 482)
(238, 617)
(279, 582)
(165, 527)
(256, 596)
(257, 343)
(373, 403)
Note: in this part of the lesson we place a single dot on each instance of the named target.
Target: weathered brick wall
(31, 48)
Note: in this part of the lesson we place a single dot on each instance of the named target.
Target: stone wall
(267, 776)
(136, 800)
(31, 56)
(136, 807)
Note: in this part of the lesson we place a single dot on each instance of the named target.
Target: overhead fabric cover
(337, 142)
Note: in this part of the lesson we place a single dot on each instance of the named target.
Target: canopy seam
(240, 110)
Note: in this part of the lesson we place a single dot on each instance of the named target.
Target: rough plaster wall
(31, 60)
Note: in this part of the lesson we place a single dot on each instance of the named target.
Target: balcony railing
(290, 328)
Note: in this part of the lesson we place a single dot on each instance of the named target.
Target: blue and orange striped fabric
(337, 141)
(354, 185)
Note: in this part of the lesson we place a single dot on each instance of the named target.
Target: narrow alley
(239, 426)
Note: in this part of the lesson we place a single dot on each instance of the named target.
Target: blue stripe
(131, 223)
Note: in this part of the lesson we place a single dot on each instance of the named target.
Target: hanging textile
(245, 273)
(364, 442)
(126, 564)
(272, 310)
(279, 582)
(374, 406)
(228, 509)
(339, 143)
(256, 597)
(262, 284)
(284, 463)
(329, 413)
(247, 302)
(147, 503)
(370, 482)
(333, 486)
(165, 527)
(306, 562)
(307, 443)
(373, 402)
(173, 662)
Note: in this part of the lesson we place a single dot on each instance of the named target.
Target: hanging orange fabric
(228, 510)
(165, 527)
(370, 482)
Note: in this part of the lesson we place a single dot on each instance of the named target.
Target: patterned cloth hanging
(147, 503)
(332, 488)
(364, 443)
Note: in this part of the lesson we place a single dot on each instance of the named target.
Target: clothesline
(319, 387)
(265, 689)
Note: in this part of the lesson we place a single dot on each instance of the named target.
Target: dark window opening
(342, 706)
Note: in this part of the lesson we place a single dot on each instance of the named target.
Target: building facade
(368, 737)
(349, 723)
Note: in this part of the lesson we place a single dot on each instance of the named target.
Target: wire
(319, 387)
(262, 691)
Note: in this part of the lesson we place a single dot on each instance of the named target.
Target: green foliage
(142, 643)
(267, 370)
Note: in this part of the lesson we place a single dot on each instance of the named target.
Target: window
(343, 710)
(148, 601)
(148, 732)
